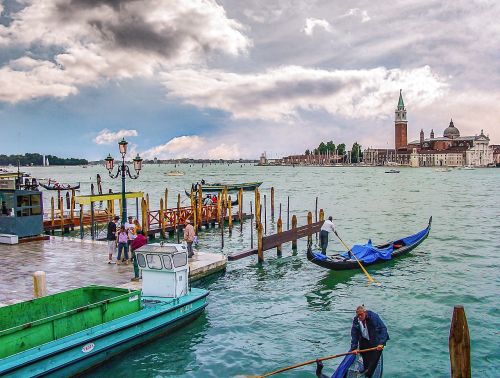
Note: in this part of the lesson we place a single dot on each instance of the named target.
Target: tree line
(37, 159)
(339, 150)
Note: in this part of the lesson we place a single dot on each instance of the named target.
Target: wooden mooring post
(161, 219)
(260, 250)
(230, 217)
(251, 225)
(272, 203)
(459, 344)
(39, 284)
(240, 209)
(265, 214)
(288, 213)
(178, 218)
(280, 230)
(309, 222)
(294, 226)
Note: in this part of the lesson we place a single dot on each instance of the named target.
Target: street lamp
(123, 169)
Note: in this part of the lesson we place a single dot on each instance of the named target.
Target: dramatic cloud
(314, 23)
(106, 136)
(92, 41)
(193, 146)
(281, 93)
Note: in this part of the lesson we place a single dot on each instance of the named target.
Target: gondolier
(368, 331)
(323, 234)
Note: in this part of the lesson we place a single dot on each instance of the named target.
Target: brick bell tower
(400, 125)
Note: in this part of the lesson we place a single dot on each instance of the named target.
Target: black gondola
(58, 186)
(389, 250)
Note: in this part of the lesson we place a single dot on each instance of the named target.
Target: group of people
(121, 239)
(210, 199)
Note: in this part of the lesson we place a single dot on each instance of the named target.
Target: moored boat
(67, 333)
(174, 173)
(392, 171)
(54, 185)
(369, 254)
(219, 187)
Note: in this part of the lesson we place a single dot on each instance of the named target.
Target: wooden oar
(313, 361)
(370, 278)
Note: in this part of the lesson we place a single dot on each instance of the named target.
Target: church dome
(451, 131)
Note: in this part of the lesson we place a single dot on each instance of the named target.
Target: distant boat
(392, 171)
(443, 169)
(468, 167)
(174, 173)
(219, 187)
(54, 185)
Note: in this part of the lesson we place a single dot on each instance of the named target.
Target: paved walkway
(71, 263)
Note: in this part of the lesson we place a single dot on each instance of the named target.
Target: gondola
(57, 186)
(233, 203)
(369, 254)
(219, 187)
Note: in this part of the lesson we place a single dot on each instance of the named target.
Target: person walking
(323, 234)
(122, 238)
(111, 238)
(137, 243)
(368, 331)
(189, 235)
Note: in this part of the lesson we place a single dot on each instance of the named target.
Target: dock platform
(71, 263)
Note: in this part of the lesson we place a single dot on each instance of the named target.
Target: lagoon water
(288, 310)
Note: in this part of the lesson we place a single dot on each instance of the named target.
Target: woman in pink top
(122, 245)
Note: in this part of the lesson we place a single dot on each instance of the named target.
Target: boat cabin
(165, 270)
(21, 211)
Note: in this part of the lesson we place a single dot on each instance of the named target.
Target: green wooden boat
(218, 187)
(64, 334)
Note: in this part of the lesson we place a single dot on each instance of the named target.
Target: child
(122, 245)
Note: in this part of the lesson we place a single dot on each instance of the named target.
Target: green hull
(80, 351)
(32, 323)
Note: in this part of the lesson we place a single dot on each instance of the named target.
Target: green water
(288, 310)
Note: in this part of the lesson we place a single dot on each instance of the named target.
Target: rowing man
(323, 234)
(368, 331)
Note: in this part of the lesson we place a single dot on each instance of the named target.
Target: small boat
(219, 187)
(392, 171)
(174, 173)
(369, 254)
(54, 185)
(67, 333)
(443, 169)
(351, 366)
(468, 168)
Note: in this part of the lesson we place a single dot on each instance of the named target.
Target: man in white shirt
(130, 228)
(323, 234)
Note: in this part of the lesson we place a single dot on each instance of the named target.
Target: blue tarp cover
(368, 253)
(343, 368)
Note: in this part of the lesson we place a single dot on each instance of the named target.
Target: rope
(313, 361)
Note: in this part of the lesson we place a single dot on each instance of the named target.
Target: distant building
(449, 150)
(496, 154)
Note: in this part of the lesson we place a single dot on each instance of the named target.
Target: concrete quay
(71, 263)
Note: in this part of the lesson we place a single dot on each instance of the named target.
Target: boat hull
(340, 264)
(76, 353)
(246, 186)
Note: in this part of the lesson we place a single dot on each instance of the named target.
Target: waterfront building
(450, 150)
(496, 154)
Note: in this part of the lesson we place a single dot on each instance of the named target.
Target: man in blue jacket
(368, 331)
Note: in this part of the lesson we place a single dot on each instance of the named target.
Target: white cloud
(314, 23)
(193, 146)
(363, 14)
(101, 40)
(280, 93)
(106, 136)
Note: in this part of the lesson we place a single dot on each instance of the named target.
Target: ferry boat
(67, 333)
(174, 173)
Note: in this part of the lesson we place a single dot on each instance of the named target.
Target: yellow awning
(86, 200)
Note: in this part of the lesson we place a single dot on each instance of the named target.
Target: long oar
(313, 361)
(370, 278)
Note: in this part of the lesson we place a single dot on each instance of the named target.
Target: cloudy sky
(231, 79)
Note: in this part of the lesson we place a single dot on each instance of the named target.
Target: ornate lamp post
(123, 169)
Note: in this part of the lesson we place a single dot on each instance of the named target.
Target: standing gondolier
(323, 234)
(368, 331)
